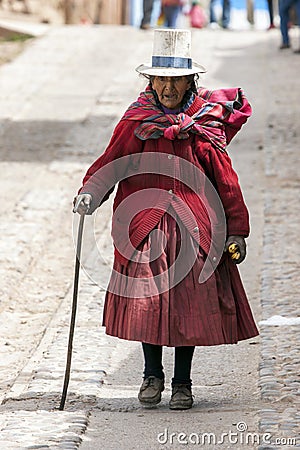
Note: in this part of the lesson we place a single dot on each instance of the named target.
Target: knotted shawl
(219, 117)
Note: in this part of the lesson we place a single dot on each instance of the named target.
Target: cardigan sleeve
(112, 165)
(219, 168)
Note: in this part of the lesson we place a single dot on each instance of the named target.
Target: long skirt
(154, 301)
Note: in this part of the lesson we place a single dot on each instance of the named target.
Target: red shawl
(220, 116)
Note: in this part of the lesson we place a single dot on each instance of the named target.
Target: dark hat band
(176, 62)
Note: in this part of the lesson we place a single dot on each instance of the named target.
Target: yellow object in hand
(233, 248)
(235, 255)
(234, 251)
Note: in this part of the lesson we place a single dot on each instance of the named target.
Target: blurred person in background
(198, 18)
(147, 13)
(225, 18)
(285, 7)
(171, 10)
(271, 14)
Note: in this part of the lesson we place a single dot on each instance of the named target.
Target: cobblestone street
(60, 100)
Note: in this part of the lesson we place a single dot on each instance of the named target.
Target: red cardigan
(164, 167)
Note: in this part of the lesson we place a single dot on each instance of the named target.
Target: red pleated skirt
(143, 304)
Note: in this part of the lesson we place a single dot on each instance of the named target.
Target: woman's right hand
(82, 203)
(239, 254)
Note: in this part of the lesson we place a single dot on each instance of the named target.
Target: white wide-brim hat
(171, 55)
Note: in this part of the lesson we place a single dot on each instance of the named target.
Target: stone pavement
(280, 328)
(61, 100)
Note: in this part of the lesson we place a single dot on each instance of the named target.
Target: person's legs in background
(212, 14)
(284, 8)
(271, 14)
(226, 13)
(171, 15)
(147, 11)
(297, 8)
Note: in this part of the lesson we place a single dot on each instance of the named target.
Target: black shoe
(145, 26)
(181, 397)
(150, 391)
(284, 46)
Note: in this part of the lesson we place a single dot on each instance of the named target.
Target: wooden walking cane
(73, 315)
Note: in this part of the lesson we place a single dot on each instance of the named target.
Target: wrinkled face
(170, 90)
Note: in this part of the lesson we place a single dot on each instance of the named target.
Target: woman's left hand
(236, 246)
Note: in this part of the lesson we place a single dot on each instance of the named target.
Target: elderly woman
(177, 211)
